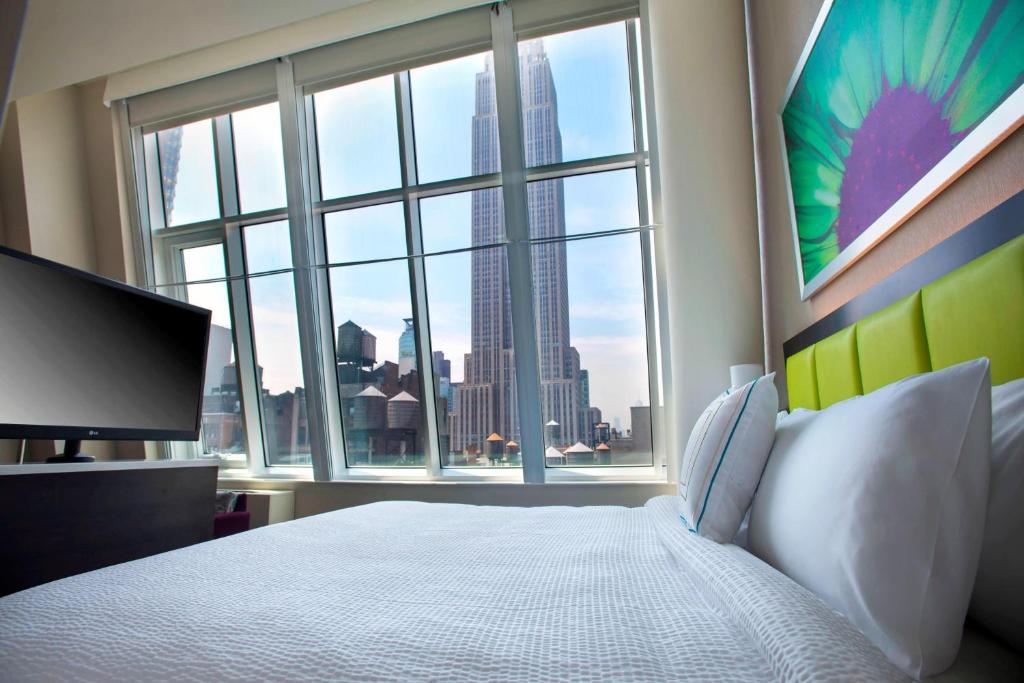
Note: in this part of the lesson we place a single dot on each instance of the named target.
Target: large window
(392, 295)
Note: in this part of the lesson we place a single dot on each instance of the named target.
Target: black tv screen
(82, 357)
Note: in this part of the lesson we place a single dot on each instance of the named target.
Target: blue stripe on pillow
(725, 450)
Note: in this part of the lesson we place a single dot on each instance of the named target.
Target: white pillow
(724, 459)
(877, 504)
(998, 600)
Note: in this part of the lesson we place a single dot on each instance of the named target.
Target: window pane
(372, 232)
(471, 339)
(456, 221)
(279, 368)
(259, 160)
(268, 247)
(357, 138)
(576, 96)
(586, 203)
(592, 339)
(377, 358)
(223, 433)
(456, 121)
(203, 263)
(188, 173)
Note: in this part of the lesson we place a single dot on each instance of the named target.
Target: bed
(417, 591)
(412, 591)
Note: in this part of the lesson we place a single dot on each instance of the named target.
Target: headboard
(962, 299)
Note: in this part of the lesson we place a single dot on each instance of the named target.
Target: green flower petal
(815, 223)
(943, 15)
(890, 38)
(969, 17)
(816, 257)
(994, 74)
(812, 182)
(859, 83)
(917, 20)
(803, 127)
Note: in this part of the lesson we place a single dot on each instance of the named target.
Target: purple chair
(236, 521)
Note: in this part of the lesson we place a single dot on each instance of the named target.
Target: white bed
(414, 591)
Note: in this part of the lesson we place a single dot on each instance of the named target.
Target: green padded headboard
(975, 309)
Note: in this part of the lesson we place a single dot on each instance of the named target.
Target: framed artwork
(890, 101)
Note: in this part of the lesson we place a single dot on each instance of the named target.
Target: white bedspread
(415, 591)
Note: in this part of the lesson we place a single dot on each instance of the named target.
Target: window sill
(568, 475)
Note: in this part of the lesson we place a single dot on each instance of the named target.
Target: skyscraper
(487, 397)
(169, 146)
(407, 348)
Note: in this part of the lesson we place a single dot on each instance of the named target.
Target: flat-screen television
(83, 357)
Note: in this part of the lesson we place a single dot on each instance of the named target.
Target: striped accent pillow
(724, 458)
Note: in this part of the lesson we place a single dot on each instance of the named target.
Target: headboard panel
(960, 300)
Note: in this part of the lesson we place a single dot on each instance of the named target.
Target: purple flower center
(901, 139)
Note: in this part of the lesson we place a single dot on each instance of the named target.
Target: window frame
(158, 256)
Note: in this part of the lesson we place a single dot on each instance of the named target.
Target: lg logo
(93, 432)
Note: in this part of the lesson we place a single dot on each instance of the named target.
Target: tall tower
(169, 146)
(407, 349)
(487, 398)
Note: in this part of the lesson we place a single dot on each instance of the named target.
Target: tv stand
(72, 453)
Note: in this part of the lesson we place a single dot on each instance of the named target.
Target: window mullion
(335, 423)
(238, 297)
(245, 350)
(310, 283)
(414, 243)
(513, 171)
(227, 176)
(646, 246)
(664, 434)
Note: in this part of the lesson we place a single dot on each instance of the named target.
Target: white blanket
(415, 591)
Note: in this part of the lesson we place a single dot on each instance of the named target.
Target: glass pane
(259, 160)
(357, 138)
(592, 339)
(372, 232)
(456, 221)
(583, 203)
(576, 96)
(203, 263)
(456, 122)
(377, 358)
(188, 173)
(268, 247)
(279, 367)
(223, 432)
(471, 339)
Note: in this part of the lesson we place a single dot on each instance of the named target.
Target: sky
(358, 143)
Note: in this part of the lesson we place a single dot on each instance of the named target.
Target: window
(453, 105)
(576, 95)
(222, 431)
(259, 158)
(379, 322)
(357, 138)
(276, 338)
(187, 174)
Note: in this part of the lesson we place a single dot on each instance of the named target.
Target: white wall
(56, 178)
(708, 213)
(154, 43)
(71, 41)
